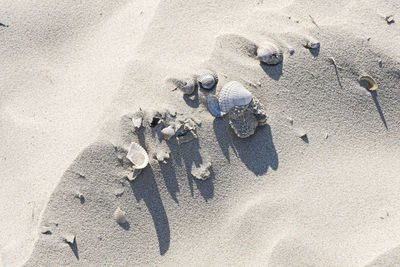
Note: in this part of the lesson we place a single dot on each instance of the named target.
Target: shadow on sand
(257, 152)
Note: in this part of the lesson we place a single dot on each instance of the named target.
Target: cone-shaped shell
(207, 80)
(119, 216)
(138, 156)
(233, 94)
(269, 53)
(213, 106)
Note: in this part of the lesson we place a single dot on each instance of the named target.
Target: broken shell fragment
(207, 80)
(138, 156)
(119, 216)
(312, 44)
(168, 132)
(69, 238)
(372, 85)
(213, 106)
(269, 53)
(233, 94)
(202, 172)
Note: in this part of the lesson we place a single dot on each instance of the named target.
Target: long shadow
(74, 248)
(190, 155)
(147, 190)
(273, 71)
(257, 152)
(374, 96)
(169, 175)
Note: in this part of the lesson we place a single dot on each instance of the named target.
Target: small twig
(313, 21)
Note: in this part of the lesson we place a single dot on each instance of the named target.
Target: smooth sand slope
(330, 199)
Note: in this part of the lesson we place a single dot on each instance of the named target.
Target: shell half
(189, 87)
(213, 106)
(207, 80)
(233, 94)
(270, 53)
(372, 85)
(138, 156)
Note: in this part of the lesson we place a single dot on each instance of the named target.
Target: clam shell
(138, 156)
(119, 216)
(233, 94)
(372, 85)
(207, 80)
(188, 87)
(269, 53)
(168, 132)
(213, 106)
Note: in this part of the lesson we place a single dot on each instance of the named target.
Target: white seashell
(208, 80)
(270, 53)
(188, 87)
(137, 122)
(69, 238)
(311, 44)
(213, 106)
(233, 94)
(119, 216)
(168, 132)
(138, 156)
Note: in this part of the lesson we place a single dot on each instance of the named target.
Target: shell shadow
(171, 182)
(273, 71)
(147, 190)
(74, 248)
(188, 154)
(315, 51)
(257, 152)
(126, 226)
(374, 96)
(193, 103)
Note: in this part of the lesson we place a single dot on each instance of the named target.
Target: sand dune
(329, 199)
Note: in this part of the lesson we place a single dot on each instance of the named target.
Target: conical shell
(213, 106)
(168, 132)
(188, 87)
(138, 156)
(269, 53)
(233, 94)
(119, 216)
(208, 80)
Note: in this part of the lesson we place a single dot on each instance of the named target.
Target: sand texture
(318, 185)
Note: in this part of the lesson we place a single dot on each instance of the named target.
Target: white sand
(70, 76)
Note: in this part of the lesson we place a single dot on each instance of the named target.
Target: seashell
(119, 216)
(137, 122)
(269, 53)
(371, 82)
(311, 44)
(207, 80)
(188, 87)
(69, 238)
(233, 94)
(213, 106)
(138, 156)
(202, 172)
(168, 132)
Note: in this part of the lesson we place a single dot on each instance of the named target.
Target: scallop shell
(188, 87)
(233, 94)
(213, 106)
(207, 80)
(119, 216)
(270, 53)
(168, 132)
(138, 156)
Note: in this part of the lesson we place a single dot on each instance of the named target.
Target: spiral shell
(269, 53)
(213, 106)
(233, 94)
(138, 156)
(207, 80)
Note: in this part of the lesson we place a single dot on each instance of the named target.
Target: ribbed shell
(208, 80)
(269, 53)
(188, 87)
(213, 106)
(135, 150)
(233, 94)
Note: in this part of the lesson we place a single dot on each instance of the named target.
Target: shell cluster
(270, 53)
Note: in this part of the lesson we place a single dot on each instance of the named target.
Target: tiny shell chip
(269, 53)
(233, 94)
(138, 156)
(372, 85)
(188, 87)
(213, 106)
(137, 122)
(208, 80)
(69, 238)
(119, 216)
(168, 132)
